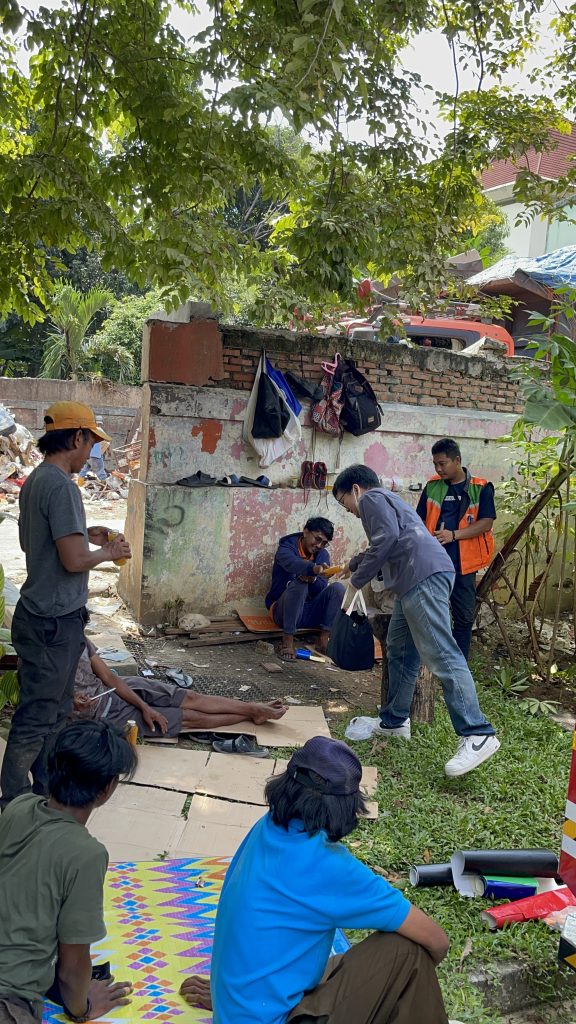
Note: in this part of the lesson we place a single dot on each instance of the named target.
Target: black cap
(333, 760)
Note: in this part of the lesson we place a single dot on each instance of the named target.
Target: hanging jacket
(475, 552)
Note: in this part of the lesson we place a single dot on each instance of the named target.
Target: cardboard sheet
(129, 833)
(300, 723)
(236, 778)
(216, 827)
(170, 768)
(146, 798)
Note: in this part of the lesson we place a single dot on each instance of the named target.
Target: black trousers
(48, 651)
(463, 608)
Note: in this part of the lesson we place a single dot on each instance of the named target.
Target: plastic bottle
(131, 732)
(112, 534)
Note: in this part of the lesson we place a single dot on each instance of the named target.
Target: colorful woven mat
(160, 921)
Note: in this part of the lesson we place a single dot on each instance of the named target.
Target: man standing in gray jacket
(421, 576)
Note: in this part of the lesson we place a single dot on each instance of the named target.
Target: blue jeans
(295, 609)
(420, 630)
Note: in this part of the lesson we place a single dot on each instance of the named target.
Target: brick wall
(413, 376)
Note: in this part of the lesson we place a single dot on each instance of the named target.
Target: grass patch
(515, 800)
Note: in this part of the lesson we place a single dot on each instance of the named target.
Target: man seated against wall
(158, 708)
(291, 884)
(300, 597)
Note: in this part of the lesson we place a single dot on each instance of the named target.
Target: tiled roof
(553, 164)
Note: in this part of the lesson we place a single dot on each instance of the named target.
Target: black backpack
(361, 412)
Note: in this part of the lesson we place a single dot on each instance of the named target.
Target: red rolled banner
(533, 908)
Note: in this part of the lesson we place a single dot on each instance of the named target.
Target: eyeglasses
(321, 540)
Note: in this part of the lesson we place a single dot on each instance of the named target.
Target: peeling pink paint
(210, 431)
(378, 458)
(236, 449)
(238, 406)
(256, 524)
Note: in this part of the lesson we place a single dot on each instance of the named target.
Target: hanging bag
(351, 644)
(326, 412)
(360, 408)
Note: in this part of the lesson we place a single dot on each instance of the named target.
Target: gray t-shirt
(401, 548)
(50, 508)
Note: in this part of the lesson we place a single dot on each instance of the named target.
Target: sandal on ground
(241, 745)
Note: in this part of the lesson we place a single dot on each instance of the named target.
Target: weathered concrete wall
(29, 397)
(213, 547)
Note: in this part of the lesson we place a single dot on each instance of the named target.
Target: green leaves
(123, 132)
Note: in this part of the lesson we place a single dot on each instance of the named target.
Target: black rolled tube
(515, 863)
(425, 875)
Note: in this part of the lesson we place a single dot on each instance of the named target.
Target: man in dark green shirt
(51, 880)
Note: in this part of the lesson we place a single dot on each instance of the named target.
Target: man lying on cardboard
(158, 708)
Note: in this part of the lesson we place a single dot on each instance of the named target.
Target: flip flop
(198, 479)
(241, 745)
(180, 677)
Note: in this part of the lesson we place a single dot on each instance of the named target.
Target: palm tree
(67, 353)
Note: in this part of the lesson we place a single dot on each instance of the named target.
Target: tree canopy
(124, 132)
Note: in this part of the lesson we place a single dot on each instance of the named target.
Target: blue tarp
(553, 269)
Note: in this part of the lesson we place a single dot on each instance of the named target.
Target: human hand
(154, 718)
(346, 573)
(81, 703)
(444, 536)
(196, 991)
(117, 548)
(98, 535)
(105, 996)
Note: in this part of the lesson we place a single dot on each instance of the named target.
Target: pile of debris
(18, 456)
(112, 489)
(196, 630)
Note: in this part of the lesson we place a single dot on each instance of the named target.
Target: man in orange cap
(48, 623)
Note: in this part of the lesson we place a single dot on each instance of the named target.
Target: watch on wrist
(83, 1017)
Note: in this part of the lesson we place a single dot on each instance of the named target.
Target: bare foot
(196, 991)
(286, 652)
(274, 710)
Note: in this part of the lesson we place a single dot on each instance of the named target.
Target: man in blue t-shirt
(459, 511)
(287, 890)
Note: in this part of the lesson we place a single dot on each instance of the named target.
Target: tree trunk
(422, 709)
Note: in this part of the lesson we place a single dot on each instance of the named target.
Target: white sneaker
(472, 751)
(363, 728)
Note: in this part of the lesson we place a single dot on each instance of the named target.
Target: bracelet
(453, 534)
(83, 1017)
